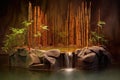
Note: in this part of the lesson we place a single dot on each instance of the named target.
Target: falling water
(68, 60)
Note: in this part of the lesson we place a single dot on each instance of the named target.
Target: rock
(93, 58)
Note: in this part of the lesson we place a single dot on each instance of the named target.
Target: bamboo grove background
(68, 23)
(61, 16)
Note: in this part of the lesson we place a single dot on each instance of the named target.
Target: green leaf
(27, 23)
(44, 27)
(38, 34)
(100, 23)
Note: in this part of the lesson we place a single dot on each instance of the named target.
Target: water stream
(68, 60)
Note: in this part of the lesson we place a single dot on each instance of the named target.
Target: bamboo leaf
(44, 27)
(100, 23)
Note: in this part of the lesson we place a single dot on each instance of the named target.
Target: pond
(24, 74)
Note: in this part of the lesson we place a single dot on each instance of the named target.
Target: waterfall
(68, 60)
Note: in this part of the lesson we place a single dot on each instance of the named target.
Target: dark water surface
(24, 74)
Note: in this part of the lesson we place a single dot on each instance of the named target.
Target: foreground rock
(51, 59)
(93, 58)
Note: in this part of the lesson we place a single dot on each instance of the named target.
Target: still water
(24, 74)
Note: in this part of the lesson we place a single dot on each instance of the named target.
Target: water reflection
(64, 74)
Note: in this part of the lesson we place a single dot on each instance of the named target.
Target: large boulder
(19, 58)
(47, 59)
(52, 55)
(93, 58)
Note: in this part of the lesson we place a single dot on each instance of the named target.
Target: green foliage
(98, 37)
(27, 23)
(16, 37)
(101, 23)
(42, 29)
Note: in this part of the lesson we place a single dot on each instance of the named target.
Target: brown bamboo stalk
(34, 27)
(78, 28)
(68, 40)
(38, 24)
(31, 26)
(45, 32)
(80, 24)
(67, 25)
(58, 28)
(71, 28)
(29, 19)
(84, 26)
(50, 32)
(77, 32)
(53, 29)
(87, 29)
(83, 40)
(98, 26)
(89, 21)
(66, 30)
(84, 22)
(42, 22)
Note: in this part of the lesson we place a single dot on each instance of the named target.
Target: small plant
(16, 37)
(98, 37)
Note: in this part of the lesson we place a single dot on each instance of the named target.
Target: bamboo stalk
(84, 29)
(80, 24)
(50, 32)
(89, 21)
(82, 15)
(38, 26)
(71, 29)
(42, 22)
(83, 26)
(55, 30)
(98, 26)
(78, 28)
(87, 29)
(45, 32)
(29, 19)
(67, 23)
(53, 26)
(34, 27)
